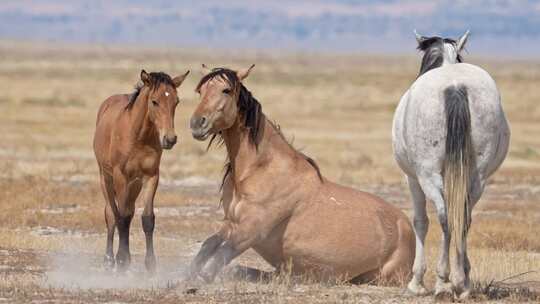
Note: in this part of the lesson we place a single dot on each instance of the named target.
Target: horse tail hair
(457, 162)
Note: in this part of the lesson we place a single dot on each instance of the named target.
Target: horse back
(107, 117)
(113, 104)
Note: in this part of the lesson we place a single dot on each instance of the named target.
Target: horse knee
(123, 222)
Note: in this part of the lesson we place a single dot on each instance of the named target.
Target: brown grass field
(336, 108)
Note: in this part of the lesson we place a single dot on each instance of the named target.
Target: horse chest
(231, 202)
(144, 162)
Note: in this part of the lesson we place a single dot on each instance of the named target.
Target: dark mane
(156, 79)
(433, 48)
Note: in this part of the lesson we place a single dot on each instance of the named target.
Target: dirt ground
(335, 108)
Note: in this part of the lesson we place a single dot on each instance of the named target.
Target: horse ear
(206, 69)
(419, 38)
(462, 41)
(145, 77)
(244, 73)
(179, 79)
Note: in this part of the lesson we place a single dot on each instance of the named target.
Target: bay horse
(449, 135)
(276, 201)
(131, 132)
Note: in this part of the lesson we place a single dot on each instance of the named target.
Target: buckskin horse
(449, 135)
(276, 201)
(131, 131)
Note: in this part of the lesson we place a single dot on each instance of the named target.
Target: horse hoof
(464, 295)
(443, 291)
(150, 263)
(444, 295)
(108, 262)
(122, 262)
(417, 289)
(207, 277)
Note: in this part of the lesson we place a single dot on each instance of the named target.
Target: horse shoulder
(105, 128)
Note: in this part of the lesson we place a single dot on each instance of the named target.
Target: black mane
(433, 48)
(156, 78)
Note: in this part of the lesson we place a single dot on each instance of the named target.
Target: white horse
(449, 135)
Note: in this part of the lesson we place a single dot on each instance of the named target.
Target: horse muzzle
(167, 142)
(200, 127)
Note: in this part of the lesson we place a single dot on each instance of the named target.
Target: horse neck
(141, 125)
(242, 152)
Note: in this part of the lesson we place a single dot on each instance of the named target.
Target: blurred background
(506, 28)
(330, 73)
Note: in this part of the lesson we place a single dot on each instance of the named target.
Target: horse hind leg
(433, 188)
(110, 221)
(421, 225)
(108, 259)
(397, 270)
(477, 188)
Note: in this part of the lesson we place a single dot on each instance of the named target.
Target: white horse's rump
(449, 135)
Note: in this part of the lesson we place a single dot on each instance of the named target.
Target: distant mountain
(510, 27)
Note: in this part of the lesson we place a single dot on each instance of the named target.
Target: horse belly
(344, 244)
(399, 145)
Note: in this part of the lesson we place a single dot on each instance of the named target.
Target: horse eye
(155, 103)
(227, 91)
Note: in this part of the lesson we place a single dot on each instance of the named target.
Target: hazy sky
(499, 27)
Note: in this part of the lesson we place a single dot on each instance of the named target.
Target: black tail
(457, 162)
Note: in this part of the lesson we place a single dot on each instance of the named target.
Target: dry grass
(338, 109)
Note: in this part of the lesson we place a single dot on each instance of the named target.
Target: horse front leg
(127, 194)
(233, 240)
(148, 221)
(207, 251)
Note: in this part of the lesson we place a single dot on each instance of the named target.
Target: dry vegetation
(338, 109)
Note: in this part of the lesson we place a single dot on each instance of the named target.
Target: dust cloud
(82, 271)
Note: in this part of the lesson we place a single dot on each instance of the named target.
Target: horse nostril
(198, 122)
(203, 120)
(173, 139)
